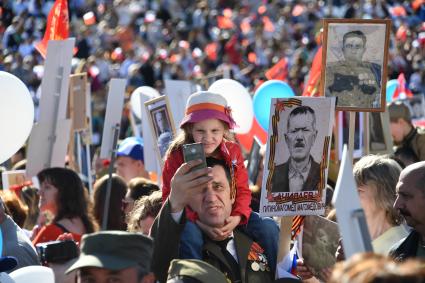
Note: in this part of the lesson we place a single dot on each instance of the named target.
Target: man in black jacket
(411, 202)
(208, 192)
(300, 172)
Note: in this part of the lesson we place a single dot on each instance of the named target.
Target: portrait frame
(280, 196)
(254, 160)
(368, 78)
(160, 105)
(380, 138)
(343, 133)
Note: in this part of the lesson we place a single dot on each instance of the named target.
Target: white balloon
(5, 278)
(145, 92)
(33, 273)
(239, 101)
(16, 115)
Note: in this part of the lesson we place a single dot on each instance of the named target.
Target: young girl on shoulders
(208, 121)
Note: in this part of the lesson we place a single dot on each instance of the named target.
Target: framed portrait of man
(354, 63)
(254, 160)
(378, 134)
(161, 123)
(297, 156)
(343, 125)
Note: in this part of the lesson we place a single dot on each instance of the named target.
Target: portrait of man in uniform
(301, 172)
(355, 66)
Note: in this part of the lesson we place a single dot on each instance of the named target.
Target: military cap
(196, 269)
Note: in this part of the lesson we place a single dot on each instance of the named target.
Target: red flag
(313, 84)
(402, 91)
(278, 71)
(57, 27)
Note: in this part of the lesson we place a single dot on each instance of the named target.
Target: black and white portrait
(297, 151)
(254, 160)
(161, 123)
(354, 68)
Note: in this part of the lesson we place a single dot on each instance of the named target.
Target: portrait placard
(343, 125)
(378, 134)
(177, 92)
(113, 115)
(254, 160)
(161, 123)
(319, 244)
(77, 101)
(354, 63)
(297, 156)
(14, 177)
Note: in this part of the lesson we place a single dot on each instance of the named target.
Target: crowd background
(147, 42)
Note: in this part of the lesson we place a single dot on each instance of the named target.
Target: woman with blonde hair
(376, 179)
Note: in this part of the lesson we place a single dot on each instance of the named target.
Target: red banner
(313, 86)
(278, 71)
(57, 27)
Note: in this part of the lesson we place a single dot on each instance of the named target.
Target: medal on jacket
(259, 260)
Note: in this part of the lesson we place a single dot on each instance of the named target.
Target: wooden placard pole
(351, 133)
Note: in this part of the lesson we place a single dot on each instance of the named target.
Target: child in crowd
(207, 121)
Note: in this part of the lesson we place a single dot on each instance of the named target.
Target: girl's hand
(212, 232)
(230, 225)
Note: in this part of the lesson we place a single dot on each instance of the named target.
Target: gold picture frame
(354, 63)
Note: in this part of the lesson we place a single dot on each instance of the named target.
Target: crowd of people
(202, 224)
(147, 42)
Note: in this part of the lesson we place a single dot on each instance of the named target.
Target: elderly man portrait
(301, 172)
(355, 82)
(208, 191)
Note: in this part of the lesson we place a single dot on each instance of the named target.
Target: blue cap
(131, 147)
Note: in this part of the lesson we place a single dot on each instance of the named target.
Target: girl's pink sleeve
(243, 193)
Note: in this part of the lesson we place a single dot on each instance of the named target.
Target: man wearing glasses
(355, 82)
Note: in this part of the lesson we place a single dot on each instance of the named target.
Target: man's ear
(148, 278)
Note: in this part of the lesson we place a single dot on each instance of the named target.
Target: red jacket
(232, 154)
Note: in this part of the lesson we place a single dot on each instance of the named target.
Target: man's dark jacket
(406, 248)
(166, 233)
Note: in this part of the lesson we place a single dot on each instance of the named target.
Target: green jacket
(414, 141)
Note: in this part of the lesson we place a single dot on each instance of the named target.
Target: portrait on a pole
(161, 122)
(297, 156)
(354, 63)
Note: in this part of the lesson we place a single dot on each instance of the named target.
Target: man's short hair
(399, 110)
(304, 109)
(355, 33)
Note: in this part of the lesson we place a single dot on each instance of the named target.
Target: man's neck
(300, 164)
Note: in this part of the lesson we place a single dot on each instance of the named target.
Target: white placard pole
(350, 215)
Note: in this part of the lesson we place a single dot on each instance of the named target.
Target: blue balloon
(263, 99)
(391, 87)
